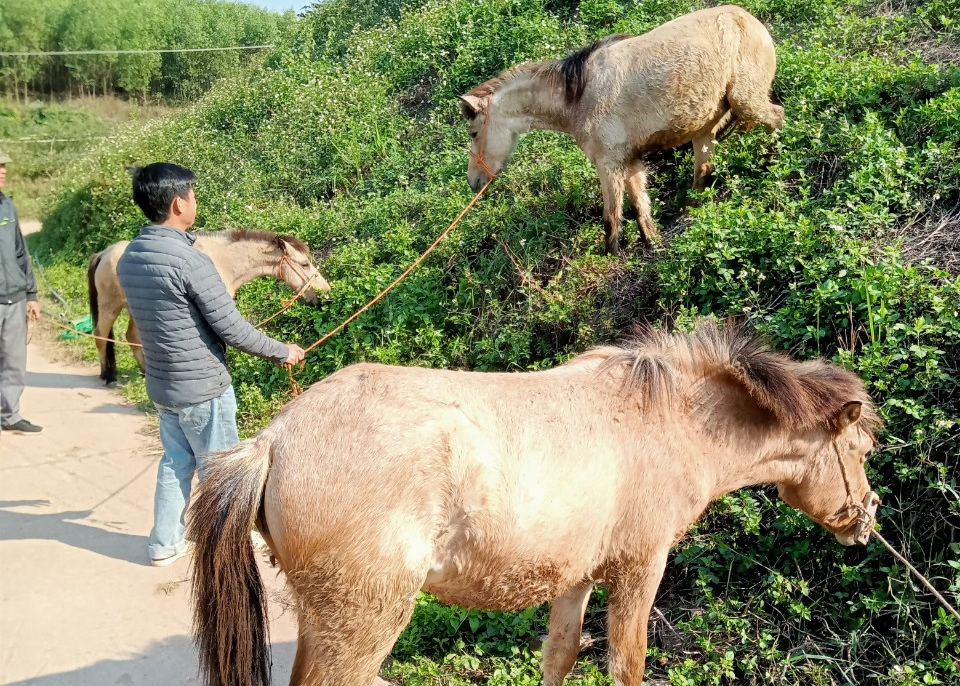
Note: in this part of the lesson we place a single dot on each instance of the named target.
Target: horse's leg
(133, 336)
(702, 166)
(106, 350)
(350, 621)
(628, 609)
(611, 185)
(300, 663)
(101, 350)
(303, 659)
(637, 191)
(563, 639)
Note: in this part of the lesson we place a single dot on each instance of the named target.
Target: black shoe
(22, 427)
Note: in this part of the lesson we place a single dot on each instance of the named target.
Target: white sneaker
(165, 561)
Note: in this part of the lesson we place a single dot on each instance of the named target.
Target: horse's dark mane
(571, 72)
(799, 394)
(276, 239)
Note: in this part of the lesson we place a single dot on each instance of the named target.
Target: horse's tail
(229, 601)
(108, 372)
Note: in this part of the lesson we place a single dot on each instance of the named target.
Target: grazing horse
(624, 97)
(240, 255)
(506, 490)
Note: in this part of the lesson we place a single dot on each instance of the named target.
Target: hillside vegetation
(838, 238)
(74, 25)
(45, 139)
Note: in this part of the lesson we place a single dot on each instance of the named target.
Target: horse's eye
(473, 134)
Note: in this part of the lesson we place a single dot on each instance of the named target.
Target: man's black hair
(156, 185)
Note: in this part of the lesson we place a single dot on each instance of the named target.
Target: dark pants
(13, 359)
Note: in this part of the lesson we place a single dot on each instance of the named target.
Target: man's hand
(295, 354)
(33, 311)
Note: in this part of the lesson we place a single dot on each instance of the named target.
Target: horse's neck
(737, 449)
(752, 459)
(240, 262)
(528, 96)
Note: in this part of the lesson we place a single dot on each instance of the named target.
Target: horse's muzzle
(865, 517)
(476, 182)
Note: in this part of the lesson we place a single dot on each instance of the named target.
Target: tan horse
(240, 255)
(624, 97)
(503, 491)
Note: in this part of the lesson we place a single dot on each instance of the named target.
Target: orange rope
(901, 558)
(483, 145)
(88, 335)
(290, 302)
(295, 388)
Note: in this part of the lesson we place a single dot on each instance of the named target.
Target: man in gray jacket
(18, 302)
(186, 319)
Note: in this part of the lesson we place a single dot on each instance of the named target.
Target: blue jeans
(188, 434)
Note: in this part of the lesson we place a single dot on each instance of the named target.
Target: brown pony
(503, 491)
(624, 97)
(240, 255)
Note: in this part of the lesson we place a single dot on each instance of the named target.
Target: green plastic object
(84, 325)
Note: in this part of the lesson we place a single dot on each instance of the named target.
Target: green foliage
(72, 25)
(436, 630)
(350, 138)
(46, 139)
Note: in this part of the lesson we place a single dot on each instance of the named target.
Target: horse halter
(483, 144)
(296, 270)
(864, 513)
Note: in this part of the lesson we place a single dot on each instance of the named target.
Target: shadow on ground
(63, 527)
(170, 661)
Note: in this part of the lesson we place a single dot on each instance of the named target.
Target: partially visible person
(186, 320)
(18, 303)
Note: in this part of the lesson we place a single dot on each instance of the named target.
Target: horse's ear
(469, 105)
(849, 414)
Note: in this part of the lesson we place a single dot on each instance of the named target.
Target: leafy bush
(350, 138)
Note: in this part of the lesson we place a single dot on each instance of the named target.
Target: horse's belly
(509, 587)
(507, 573)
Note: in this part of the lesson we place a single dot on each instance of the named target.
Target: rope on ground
(294, 386)
(901, 558)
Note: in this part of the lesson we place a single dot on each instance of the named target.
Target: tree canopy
(75, 25)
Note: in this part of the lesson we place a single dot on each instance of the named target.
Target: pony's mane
(491, 86)
(276, 239)
(569, 74)
(799, 394)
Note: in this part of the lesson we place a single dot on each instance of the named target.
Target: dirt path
(79, 604)
(28, 226)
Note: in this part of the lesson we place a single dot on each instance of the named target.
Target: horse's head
(831, 485)
(494, 137)
(296, 269)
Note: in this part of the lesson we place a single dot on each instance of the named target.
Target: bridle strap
(296, 270)
(864, 512)
(483, 144)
